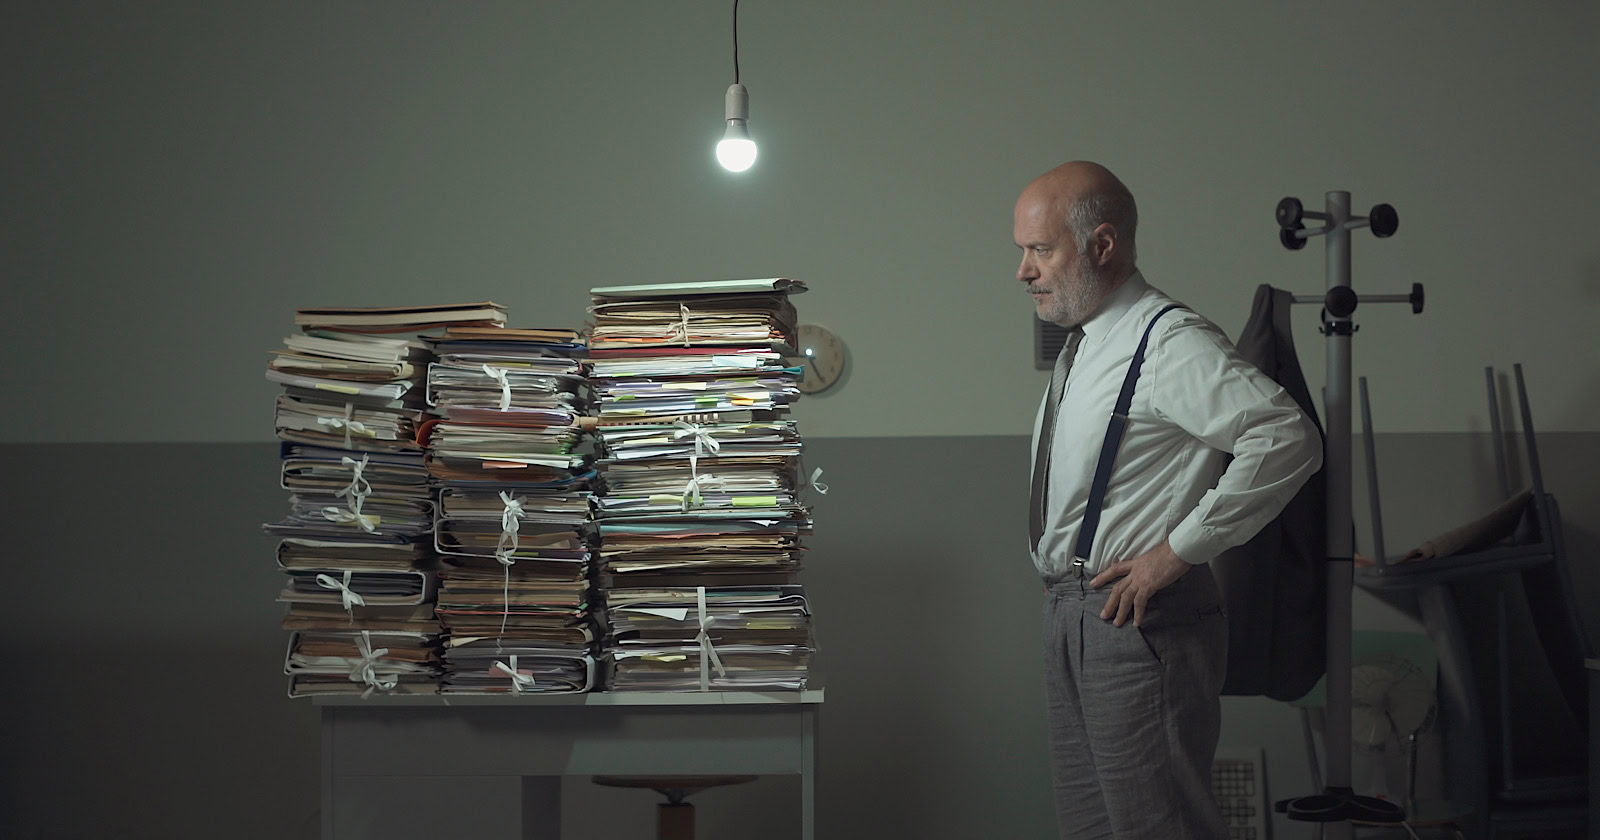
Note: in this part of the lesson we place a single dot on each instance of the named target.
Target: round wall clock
(822, 355)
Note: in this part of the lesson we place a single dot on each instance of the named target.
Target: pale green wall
(177, 177)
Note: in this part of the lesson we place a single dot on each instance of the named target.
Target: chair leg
(1378, 551)
(1498, 437)
(1535, 474)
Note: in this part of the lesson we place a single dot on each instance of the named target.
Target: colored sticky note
(342, 389)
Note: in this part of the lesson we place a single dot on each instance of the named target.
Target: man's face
(1066, 285)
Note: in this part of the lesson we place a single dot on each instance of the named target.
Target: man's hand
(1142, 577)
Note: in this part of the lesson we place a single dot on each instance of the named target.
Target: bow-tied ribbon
(680, 330)
(691, 497)
(355, 495)
(366, 669)
(510, 517)
(506, 548)
(341, 516)
(703, 443)
(708, 653)
(519, 680)
(347, 424)
(347, 597)
(359, 487)
(499, 375)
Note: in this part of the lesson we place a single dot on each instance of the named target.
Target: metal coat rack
(1337, 804)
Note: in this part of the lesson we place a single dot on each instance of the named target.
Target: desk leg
(808, 772)
(327, 775)
(541, 808)
(1460, 716)
(1594, 752)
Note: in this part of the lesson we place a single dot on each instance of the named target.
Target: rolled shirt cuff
(1194, 543)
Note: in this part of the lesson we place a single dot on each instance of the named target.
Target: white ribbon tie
(519, 680)
(342, 516)
(505, 549)
(366, 670)
(355, 495)
(817, 485)
(680, 330)
(347, 424)
(691, 490)
(499, 375)
(510, 518)
(703, 443)
(347, 597)
(708, 653)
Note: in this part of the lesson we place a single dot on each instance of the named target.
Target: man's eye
(1040, 250)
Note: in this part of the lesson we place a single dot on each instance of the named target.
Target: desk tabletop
(810, 696)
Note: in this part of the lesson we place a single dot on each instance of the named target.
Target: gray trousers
(1134, 712)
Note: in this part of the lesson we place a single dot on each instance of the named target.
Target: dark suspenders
(1108, 450)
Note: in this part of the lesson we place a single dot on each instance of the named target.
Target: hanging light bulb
(736, 151)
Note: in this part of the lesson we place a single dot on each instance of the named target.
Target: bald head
(1087, 197)
(1075, 226)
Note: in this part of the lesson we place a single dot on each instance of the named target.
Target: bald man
(1135, 637)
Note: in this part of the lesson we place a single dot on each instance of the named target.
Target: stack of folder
(356, 547)
(513, 519)
(702, 513)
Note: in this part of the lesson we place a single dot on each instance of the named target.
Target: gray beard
(1081, 301)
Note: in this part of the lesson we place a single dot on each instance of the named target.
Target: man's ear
(1104, 242)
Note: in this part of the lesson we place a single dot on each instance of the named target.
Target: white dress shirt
(1196, 403)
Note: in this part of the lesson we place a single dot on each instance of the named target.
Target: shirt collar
(1099, 325)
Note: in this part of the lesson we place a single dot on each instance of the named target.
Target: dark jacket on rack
(1275, 585)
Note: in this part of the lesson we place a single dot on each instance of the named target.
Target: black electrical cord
(735, 41)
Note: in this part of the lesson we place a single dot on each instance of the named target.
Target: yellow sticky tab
(663, 499)
(342, 389)
(664, 657)
(755, 501)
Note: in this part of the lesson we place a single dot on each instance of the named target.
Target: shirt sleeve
(1201, 384)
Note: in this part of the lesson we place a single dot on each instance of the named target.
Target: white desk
(489, 767)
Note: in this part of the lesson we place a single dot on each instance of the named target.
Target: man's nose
(1026, 271)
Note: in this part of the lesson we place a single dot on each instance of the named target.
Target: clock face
(822, 355)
